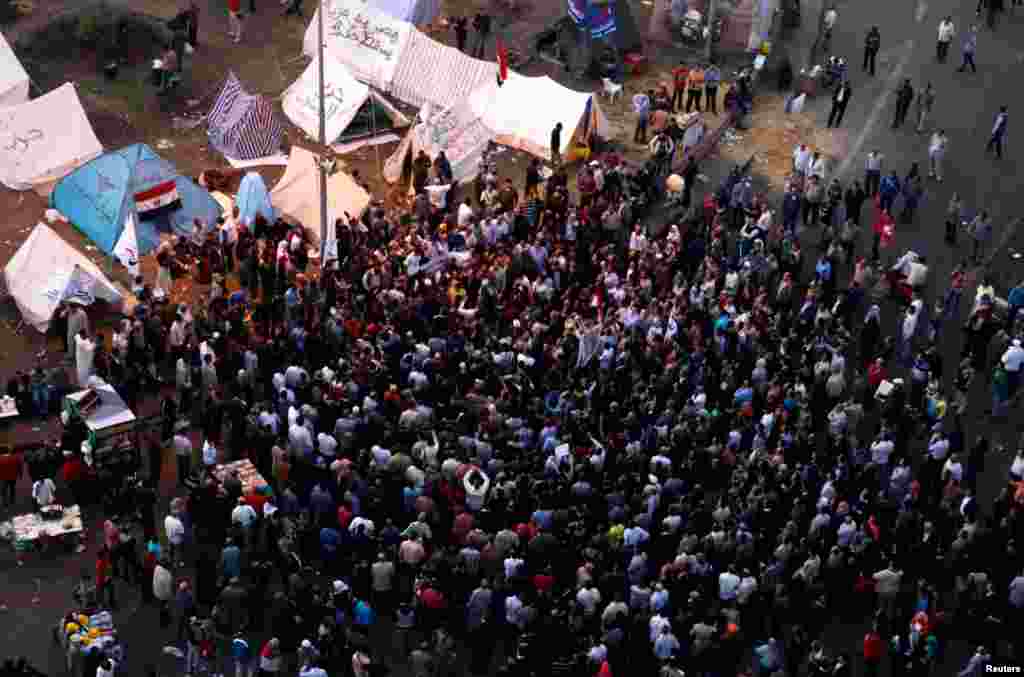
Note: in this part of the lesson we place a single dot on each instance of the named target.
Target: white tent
(344, 96)
(369, 43)
(523, 112)
(44, 139)
(417, 12)
(457, 131)
(297, 194)
(47, 270)
(13, 78)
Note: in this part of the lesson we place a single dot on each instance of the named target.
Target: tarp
(47, 270)
(44, 139)
(244, 126)
(457, 131)
(432, 72)
(297, 194)
(523, 112)
(369, 43)
(253, 198)
(599, 15)
(99, 196)
(416, 12)
(344, 98)
(13, 78)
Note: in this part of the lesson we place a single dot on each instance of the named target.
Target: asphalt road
(966, 105)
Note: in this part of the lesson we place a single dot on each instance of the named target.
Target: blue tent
(100, 196)
(253, 198)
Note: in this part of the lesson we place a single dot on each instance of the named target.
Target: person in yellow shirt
(695, 88)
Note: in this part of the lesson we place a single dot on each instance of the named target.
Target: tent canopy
(348, 104)
(297, 194)
(432, 72)
(47, 270)
(457, 131)
(101, 195)
(513, 115)
(253, 198)
(369, 43)
(44, 139)
(416, 12)
(13, 78)
(244, 126)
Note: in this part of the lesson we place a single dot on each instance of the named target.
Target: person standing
(947, 29)
(712, 78)
(925, 103)
(695, 87)
(235, 20)
(904, 97)
(642, 108)
(854, 201)
(871, 44)
(981, 232)
(680, 74)
(461, 27)
(873, 173)
(969, 48)
(11, 469)
(995, 141)
(482, 26)
(936, 153)
(556, 144)
(840, 99)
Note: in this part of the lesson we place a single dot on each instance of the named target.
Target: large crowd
(528, 421)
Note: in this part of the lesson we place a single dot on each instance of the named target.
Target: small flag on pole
(502, 61)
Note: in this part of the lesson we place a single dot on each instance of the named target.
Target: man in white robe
(85, 353)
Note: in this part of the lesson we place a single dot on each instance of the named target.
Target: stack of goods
(252, 480)
(91, 631)
(25, 529)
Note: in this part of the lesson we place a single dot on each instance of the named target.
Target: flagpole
(323, 133)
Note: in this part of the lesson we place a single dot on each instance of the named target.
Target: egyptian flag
(159, 198)
(502, 62)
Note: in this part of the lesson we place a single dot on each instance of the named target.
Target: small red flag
(502, 52)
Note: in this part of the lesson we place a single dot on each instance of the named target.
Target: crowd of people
(527, 429)
(526, 422)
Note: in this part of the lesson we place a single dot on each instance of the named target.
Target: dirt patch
(772, 136)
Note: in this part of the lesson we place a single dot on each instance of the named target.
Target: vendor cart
(111, 428)
(35, 530)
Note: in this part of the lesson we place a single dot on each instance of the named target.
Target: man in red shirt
(72, 473)
(11, 468)
(104, 578)
(874, 648)
(235, 20)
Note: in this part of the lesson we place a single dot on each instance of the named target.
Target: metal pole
(708, 41)
(323, 132)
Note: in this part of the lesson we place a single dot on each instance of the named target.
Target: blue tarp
(99, 196)
(253, 198)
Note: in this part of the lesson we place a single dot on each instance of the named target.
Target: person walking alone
(947, 30)
(482, 26)
(904, 97)
(840, 100)
(871, 44)
(873, 173)
(936, 153)
(925, 103)
(969, 48)
(995, 141)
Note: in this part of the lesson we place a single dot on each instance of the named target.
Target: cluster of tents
(123, 199)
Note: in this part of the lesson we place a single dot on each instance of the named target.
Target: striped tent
(244, 126)
(432, 72)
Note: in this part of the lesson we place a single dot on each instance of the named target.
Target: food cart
(111, 429)
(34, 530)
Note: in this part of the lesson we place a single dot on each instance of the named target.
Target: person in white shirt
(747, 588)
(300, 441)
(728, 584)
(175, 530)
(588, 597)
(946, 32)
(1013, 360)
(43, 492)
(936, 153)
(327, 444)
(465, 214)
(514, 615)
(818, 166)
(802, 160)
